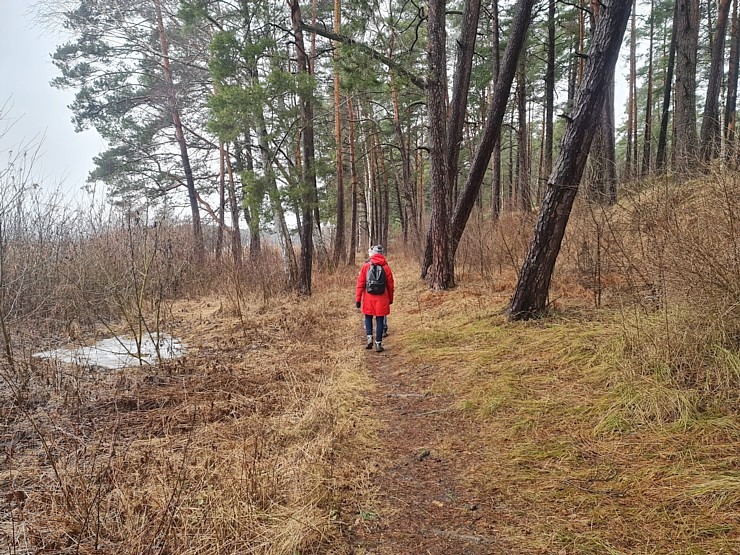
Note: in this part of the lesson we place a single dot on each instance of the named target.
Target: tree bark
(687, 37)
(308, 196)
(496, 155)
(629, 162)
(441, 274)
(660, 156)
(732, 78)
(221, 203)
(384, 185)
(648, 134)
(460, 87)
(522, 150)
(549, 89)
(602, 185)
(492, 130)
(339, 253)
(354, 228)
(252, 196)
(409, 212)
(530, 296)
(236, 236)
(710, 124)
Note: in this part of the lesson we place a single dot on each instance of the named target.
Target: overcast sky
(36, 112)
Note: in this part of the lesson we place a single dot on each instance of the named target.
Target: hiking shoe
(379, 347)
(369, 342)
(385, 332)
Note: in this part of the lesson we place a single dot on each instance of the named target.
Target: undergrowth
(614, 426)
(240, 447)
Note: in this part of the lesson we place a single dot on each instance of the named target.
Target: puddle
(119, 352)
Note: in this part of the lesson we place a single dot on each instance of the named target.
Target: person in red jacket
(374, 295)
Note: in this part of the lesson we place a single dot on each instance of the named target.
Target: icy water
(119, 352)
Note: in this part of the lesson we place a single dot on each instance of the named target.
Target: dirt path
(423, 504)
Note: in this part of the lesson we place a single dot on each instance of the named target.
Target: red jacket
(375, 305)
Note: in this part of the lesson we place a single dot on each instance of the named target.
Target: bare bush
(490, 248)
(676, 251)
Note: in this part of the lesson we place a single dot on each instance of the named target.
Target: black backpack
(375, 282)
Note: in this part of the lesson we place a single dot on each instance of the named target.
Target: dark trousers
(379, 326)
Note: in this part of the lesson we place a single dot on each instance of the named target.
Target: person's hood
(377, 259)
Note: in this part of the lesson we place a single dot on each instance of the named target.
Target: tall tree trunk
(629, 162)
(312, 57)
(198, 244)
(510, 167)
(339, 253)
(354, 227)
(530, 296)
(364, 206)
(440, 274)
(581, 37)
(445, 140)
(419, 172)
(408, 211)
(687, 37)
(385, 188)
(496, 154)
(660, 156)
(460, 87)
(308, 196)
(602, 184)
(648, 135)
(710, 124)
(549, 90)
(290, 264)
(252, 196)
(236, 236)
(732, 78)
(603, 179)
(492, 130)
(221, 203)
(371, 175)
(373, 196)
(322, 252)
(573, 65)
(522, 150)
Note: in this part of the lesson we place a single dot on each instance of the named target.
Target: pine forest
(556, 187)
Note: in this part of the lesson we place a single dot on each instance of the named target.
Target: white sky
(36, 112)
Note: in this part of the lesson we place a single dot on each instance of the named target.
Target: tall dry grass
(237, 448)
(667, 256)
(241, 447)
(577, 445)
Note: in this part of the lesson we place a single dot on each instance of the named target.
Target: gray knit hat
(377, 249)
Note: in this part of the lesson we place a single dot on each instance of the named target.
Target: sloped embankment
(538, 437)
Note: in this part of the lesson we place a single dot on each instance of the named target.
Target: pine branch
(385, 60)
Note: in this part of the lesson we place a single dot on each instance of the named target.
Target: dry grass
(610, 427)
(585, 452)
(241, 447)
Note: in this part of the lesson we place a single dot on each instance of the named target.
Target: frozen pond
(120, 352)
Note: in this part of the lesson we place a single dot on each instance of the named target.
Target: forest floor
(279, 433)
